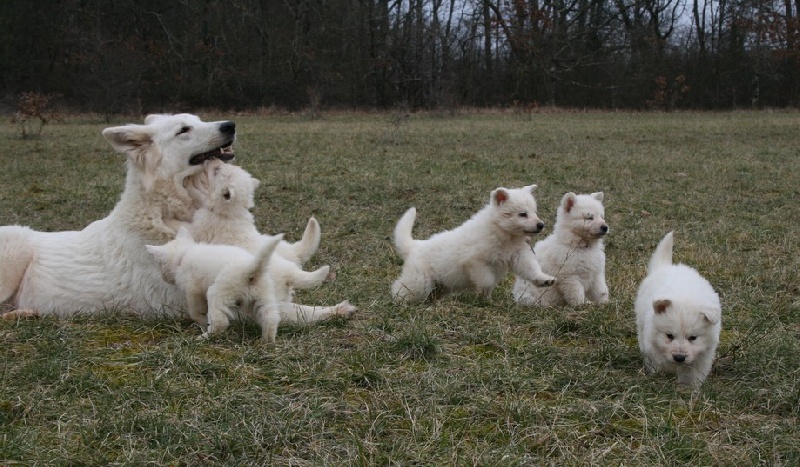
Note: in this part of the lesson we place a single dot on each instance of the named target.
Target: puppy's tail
(259, 265)
(402, 233)
(663, 254)
(307, 246)
(300, 279)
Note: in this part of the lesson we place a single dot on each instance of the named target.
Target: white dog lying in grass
(218, 278)
(678, 318)
(226, 219)
(478, 254)
(573, 253)
(105, 266)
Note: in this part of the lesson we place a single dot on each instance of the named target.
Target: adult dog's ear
(136, 142)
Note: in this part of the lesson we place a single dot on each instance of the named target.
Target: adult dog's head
(167, 145)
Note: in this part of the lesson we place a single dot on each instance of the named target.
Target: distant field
(462, 381)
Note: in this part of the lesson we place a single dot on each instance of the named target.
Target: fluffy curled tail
(663, 254)
(402, 233)
(261, 259)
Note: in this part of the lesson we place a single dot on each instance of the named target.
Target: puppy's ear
(158, 252)
(531, 188)
(500, 196)
(712, 314)
(568, 201)
(660, 306)
(256, 183)
(598, 196)
(153, 117)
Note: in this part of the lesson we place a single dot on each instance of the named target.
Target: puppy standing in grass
(478, 254)
(216, 278)
(678, 318)
(573, 253)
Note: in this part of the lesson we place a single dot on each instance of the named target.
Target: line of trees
(130, 55)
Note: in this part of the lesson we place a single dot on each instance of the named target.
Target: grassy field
(462, 381)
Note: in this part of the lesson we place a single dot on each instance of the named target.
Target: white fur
(573, 253)
(218, 278)
(226, 219)
(678, 318)
(478, 254)
(105, 265)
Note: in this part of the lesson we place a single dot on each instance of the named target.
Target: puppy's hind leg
(304, 314)
(411, 288)
(268, 316)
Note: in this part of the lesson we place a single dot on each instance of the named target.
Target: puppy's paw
(345, 309)
(20, 314)
(544, 281)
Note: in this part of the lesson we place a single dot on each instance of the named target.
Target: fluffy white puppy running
(218, 278)
(225, 218)
(573, 253)
(678, 318)
(478, 254)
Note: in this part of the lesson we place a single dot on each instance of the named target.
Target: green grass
(462, 381)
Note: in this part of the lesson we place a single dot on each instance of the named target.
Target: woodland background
(121, 56)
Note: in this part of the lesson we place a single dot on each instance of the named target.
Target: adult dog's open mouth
(223, 153)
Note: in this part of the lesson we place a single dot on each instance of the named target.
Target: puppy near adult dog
(573, 253)
(678, 318)
(226, 218)
(478, 254)
(105, 265)
(219, 278)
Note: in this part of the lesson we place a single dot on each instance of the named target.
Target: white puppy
(217, 278)
(478, 254)
(573, 253)
(226, 218)
(678, 318)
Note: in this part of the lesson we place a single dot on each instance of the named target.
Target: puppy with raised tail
(573, 253)
(478, 254)
(678, 318)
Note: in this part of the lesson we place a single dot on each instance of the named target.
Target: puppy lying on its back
(573, 253)
(678, 318)
(478, 254)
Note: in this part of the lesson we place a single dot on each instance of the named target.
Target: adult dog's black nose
(227, 128)
(680, 358)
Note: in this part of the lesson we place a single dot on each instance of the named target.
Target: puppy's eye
(692, 338)
(227, 195)
(588, 217)
(523, 214)
(184, 129)
(670, 336)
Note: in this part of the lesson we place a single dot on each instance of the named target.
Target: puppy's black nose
(604, 229)
(227, 128)
(680, 358)
(540, 225)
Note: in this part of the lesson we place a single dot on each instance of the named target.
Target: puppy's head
(583, 216)
(229, 187)
(170, 144)
(515, 210)
(682, 331)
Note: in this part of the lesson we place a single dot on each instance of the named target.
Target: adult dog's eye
(184, 129)
(670, 336)
(523, 214)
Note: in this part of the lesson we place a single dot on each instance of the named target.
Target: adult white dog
(106, 266)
